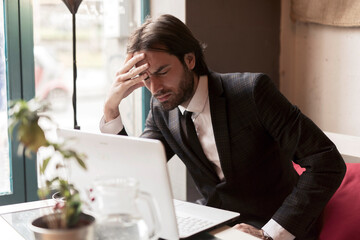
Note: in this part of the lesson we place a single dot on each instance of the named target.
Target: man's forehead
(154, 58)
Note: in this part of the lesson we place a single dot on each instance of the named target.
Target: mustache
(160, 93)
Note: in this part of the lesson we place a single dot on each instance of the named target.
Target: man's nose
(155, 84)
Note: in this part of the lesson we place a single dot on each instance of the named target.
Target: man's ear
(189, 59)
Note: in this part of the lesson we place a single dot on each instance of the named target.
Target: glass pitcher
(116, 206)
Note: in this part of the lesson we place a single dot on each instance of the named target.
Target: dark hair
(169, 34)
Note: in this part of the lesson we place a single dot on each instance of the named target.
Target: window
(102, 31)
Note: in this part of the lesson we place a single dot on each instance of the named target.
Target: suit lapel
(218, 110)
(174, 126)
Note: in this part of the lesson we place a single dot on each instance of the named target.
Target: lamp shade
(72, 5)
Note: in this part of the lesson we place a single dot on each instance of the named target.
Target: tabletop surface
(16, 217)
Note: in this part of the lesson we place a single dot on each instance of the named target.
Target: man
(249, 133)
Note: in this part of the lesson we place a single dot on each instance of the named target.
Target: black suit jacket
(258, 134)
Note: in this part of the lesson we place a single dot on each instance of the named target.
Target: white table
(15, 217)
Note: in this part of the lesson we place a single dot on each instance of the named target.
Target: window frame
(19, 61)
(146, 95)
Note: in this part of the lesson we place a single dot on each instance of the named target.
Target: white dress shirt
(199, 105)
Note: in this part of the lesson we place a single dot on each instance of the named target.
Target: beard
(183, 92)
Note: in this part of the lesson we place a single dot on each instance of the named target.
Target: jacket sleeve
(306, 145)
(152, 131)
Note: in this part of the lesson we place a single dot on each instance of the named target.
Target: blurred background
(102, 30)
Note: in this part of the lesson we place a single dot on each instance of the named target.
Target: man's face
(169, 81)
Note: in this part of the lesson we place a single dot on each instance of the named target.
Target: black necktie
(192, 140)
(188, 127)
(191, 136)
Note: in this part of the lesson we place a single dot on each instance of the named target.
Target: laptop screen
(114, 156)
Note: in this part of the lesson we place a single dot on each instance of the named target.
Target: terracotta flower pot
(86, 230)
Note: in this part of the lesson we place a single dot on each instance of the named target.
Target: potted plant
(67, 218)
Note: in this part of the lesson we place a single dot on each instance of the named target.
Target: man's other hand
(250, 230)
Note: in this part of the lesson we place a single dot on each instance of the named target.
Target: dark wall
(241, 35)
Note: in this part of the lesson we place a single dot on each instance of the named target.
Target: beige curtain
(345, 13)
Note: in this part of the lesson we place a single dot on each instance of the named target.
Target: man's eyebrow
(157, 70)
(160, 68)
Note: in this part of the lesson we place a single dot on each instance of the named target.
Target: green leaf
(31, 135)
(44, 165)
(81, 161)
(49, 183)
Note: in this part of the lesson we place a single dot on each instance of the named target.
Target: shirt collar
(198, 101)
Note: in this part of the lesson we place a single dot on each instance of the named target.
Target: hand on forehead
(143, 61)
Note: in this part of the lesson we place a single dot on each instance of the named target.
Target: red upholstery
(342, 213)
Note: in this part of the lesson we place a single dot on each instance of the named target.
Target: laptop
(144, 159)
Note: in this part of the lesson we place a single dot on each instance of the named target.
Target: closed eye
(156, 74)
(162, 73)
(163, 70)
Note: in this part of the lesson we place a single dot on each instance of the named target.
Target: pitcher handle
(154, 216)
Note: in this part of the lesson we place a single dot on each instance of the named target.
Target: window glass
(4, 140)
(102, 30)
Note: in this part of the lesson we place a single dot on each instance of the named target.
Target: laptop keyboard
(189, 224)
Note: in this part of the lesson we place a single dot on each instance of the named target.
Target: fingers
(130, 62)
(128, 57)
(134, 72)
(133, 84)
(249, 229)
(134, 87)
(127, 80)
(134, 80)
(239, 226)
(243, 227)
